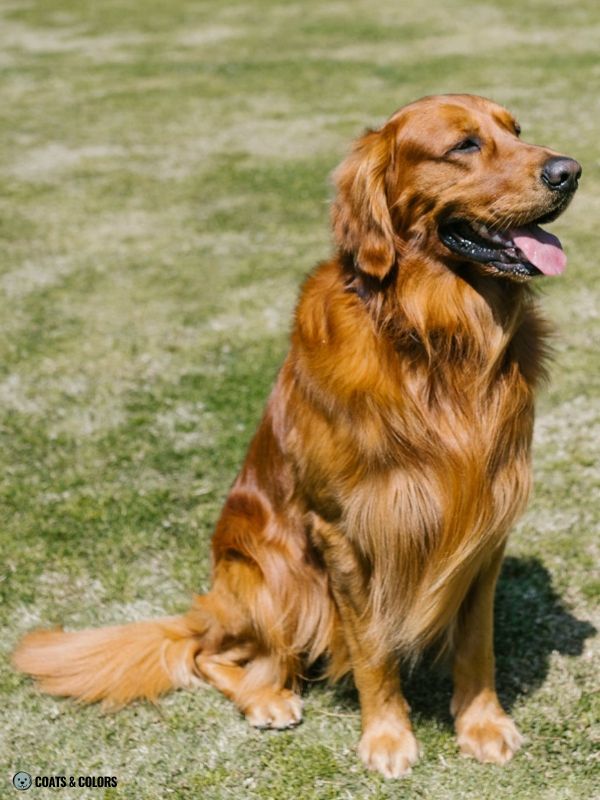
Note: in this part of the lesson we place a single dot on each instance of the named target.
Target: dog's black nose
(561, 174)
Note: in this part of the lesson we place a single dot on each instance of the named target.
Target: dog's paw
(389, 748)
(488, 734)
(274, 709)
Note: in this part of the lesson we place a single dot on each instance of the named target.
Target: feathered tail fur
(114, 665)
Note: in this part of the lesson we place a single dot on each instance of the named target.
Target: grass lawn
(164, 170)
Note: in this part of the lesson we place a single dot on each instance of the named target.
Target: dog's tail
(115, 665)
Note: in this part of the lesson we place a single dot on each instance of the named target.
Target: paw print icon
(22, 781)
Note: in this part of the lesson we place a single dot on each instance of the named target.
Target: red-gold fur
(370, 516)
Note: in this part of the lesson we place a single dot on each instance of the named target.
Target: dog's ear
(361, 220)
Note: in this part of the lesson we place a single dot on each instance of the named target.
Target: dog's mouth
(519, 252)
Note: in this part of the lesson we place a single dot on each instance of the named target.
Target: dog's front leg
(484, 730)
(387, 743)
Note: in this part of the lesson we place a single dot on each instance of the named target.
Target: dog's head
(450, 177)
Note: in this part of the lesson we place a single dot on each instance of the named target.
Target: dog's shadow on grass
(531, 622)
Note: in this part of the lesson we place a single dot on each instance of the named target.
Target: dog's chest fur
(416, 454)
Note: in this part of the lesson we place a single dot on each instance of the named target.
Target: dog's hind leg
(246, 659)
(256, 687)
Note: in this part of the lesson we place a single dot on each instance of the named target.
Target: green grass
(164, 171)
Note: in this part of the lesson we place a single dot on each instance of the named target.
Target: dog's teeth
(498, 238)
(493, 236)
(481, 229)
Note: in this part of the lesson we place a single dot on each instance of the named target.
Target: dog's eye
(517, 129)
(469, 145)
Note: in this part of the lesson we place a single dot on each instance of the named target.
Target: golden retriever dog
(370, 516)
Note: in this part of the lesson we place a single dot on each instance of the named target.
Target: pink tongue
(540, 248)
